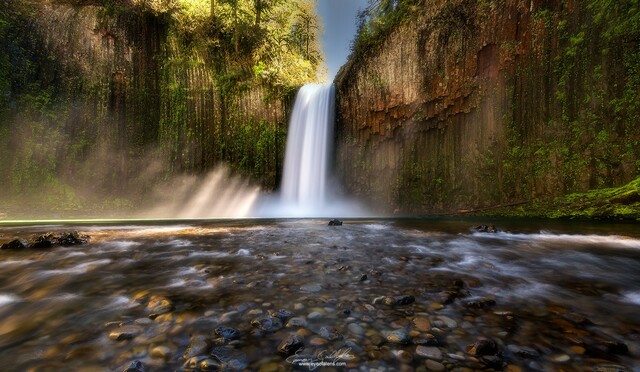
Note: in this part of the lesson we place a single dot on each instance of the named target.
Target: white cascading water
(306, 165)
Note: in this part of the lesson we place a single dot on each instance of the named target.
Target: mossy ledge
(618, 203)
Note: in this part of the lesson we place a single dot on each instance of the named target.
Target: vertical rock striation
(473, 104)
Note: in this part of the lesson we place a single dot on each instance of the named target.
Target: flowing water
(551, 296)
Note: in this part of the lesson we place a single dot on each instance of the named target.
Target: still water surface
(551, 295)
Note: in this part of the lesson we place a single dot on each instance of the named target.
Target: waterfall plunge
(304, 182)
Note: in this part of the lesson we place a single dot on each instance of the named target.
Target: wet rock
(399, 300)
(432, 365)
(330, 333)
(198, 345)
(335, 222)
(399, 336)
(486, 229)
(483, 347)
(313, 287)
(428, 340)
(447, 297)
(616, 347)
(72, 238)
(493, 361)
(560, 358)
(610, 368)
(363, 277)
(422, 324)
(283, 314)
(296, 322)
(209, 364)
(160, 352)
(193, 363)
(524, 352)
(135, 366)
(267, 324)
(124, 333)
(290, 345)
(159, 305)
(233, 359)
(480, 303)
(356, 329)
(15, 244)
(429, 352)
(403, 356)
(317, 341)
(227, 333)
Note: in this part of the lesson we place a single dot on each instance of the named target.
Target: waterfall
(309, 142)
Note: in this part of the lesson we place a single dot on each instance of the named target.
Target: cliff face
(113, 98)
(472, 104)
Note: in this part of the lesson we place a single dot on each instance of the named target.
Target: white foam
(7, 298)
(632, 297)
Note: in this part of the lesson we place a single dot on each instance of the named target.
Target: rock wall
(109, 95)
(474, 104)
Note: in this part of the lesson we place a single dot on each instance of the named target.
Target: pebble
(422, 324)
(290, 345)
(314, 287)
(124, 333)
(355, 329)
(161, 352)
(298, 306)
(399, 336)
(403, 356)
(317, 341)
(314, 315)
(445, 320)
(429, 352)
(560, 358)
(577, 349)
(198, 345)
(432, 365)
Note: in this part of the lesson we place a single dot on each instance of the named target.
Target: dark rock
(227, 333)
(135, 366)
(159, 305)
(480, 303)
(208, 364)
(483, 347)
(232, 359)
(428, 340)
(493, 361)
(329, 333)
(363, 277)
(44, 241)
(399, 300)
(198, 345)
(15, 244)
(290, 345)
(283, 315)
(486, 229)
(616, 347)
(124, 333)
(267, 324)
(72, 238)
(335, 222)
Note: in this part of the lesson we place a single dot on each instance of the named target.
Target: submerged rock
(399, 300)
(483, 347)
(290, 345)
(135, 366)
(15, 244)
(267, 324)
(159, 305)
(64, 239)
(227, 333)
(486, 229)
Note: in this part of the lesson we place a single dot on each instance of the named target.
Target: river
(386, 294)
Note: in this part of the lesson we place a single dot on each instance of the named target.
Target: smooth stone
(159, 305)
(355, 329)
(313, 287)
(290, 345)
(124, 333)
(450, 323)
(432, 365)
(577, 350)
(429, 352)
(209, 364)
(422, 324)
(227, 333)
(296, 322)
(399, 336)
(318, 341)
(314, 315)
(524, 352)
(198, 345)
(399, 300)
(160, 352)
(561, 358)
(298, 306)
(403, 355)
(330, 333)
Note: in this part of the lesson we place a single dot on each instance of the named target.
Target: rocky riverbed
(298, 294)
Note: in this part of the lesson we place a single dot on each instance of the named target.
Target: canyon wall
(110, 99)
(467, 105)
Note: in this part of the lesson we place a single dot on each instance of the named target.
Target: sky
(339, 19)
